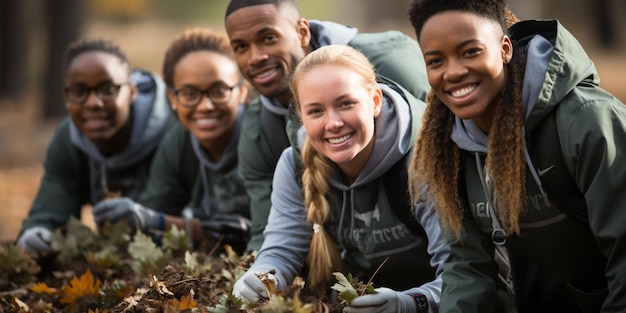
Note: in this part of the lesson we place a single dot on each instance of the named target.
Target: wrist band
(421, 303)
(161, 221)
(188, 218)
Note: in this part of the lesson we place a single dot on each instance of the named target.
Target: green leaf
(16, 265)
(227, 303)
(117, 233)
(176, 240)
(147, 257)
(344, 286)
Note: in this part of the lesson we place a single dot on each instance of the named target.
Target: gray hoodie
(76, 173)
(362, 222)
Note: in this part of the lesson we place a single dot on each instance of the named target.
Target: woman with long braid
(521, 240)
(338, 212)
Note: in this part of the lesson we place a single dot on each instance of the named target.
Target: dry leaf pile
(112, 271)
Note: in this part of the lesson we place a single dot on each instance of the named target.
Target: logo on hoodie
(367, 217)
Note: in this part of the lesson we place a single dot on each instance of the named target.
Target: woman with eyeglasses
(194, 183)
(117, 117)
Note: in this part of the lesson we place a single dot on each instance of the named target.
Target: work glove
(250, 288)
(226, 224)
(384, 300)
(35, 240)
(137, 216)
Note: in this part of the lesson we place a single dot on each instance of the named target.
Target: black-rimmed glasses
(190, 97)
(106, 92)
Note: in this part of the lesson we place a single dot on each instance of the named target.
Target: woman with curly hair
(193, 179)
(493, 89)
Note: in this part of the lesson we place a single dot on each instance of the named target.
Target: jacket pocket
(589, 302)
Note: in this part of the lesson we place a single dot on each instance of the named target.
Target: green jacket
(182, 176)
(75, 173)
(395, 56)
(559, 262)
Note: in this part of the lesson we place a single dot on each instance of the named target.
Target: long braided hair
(436, 161)
(324, 254)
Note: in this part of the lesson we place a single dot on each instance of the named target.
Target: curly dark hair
(195, 39)
(436, 161)
(93, 45)
(422, 10)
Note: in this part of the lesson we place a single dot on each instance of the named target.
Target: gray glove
(250, 288)
(126, 209)
(385, 300)
(35, 240)
(223, 223)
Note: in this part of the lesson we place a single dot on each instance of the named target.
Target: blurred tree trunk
(65, 20)
(527, 9)
(376, 15)
(604, 23)
(11, 49)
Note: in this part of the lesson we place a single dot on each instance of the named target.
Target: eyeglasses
(190, 97)
(106, 92)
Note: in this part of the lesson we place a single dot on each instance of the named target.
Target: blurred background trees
(34, 33)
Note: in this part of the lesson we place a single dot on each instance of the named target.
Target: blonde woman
(342, 219)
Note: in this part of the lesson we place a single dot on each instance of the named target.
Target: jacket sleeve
(396, 56)
(256, 167)
(593, 144)
(64, 186)
(469, 273)
(439, 251)
(165, 190)
(288, 233)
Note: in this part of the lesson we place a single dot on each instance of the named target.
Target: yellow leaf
(43, 288)
(78, 288)
(185, 302)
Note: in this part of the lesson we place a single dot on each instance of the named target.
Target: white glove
(126, 209)
(385, 300)
(35, 240)
(250, 288)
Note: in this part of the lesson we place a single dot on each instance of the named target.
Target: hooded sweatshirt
(559, 263)
(213, 190)
(394, 55)
(362, 223)
(76, 173)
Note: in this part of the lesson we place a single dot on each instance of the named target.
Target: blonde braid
(323, 254)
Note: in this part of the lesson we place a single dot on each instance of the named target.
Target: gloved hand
(250, 288)
(124, 208)
(35, 240)
(385, 300)
(226, 223)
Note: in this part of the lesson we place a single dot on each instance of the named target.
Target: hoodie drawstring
(344, 251)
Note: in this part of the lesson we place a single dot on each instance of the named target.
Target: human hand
(222, 223)
(384, 300)
(126, 209)
(35, 240)
(250, 288)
